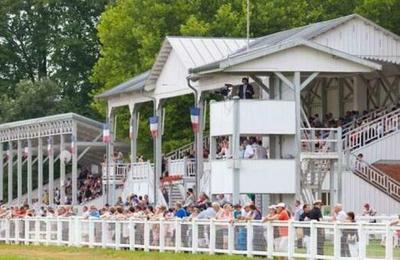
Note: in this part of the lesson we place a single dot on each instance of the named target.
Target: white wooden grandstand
(344, 64)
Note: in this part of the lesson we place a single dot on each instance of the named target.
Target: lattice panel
(36, 130)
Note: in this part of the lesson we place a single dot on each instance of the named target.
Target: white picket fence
(209, 236)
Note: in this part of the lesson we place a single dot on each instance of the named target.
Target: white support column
(360, 102)
(134, 133)
(297, 98)
(199, 144)
(19, 172)
(51, 173)
(62, 170)
(10, 173)
(235, 151)
(40, 170)
(340, 166)
(112, 187)
(109, 152)
(1, 171)
(29, 172)
(324, 98)
(158, 152)
(75, 167)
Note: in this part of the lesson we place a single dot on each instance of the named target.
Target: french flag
(106, 134)
(73, 144)
(153, 121)
(195, 118)
(49, 145)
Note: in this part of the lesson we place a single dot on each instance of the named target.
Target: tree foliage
(53, 39)
(60, 40)
(32, 99)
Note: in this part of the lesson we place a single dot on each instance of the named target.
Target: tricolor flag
(73, 144)
(106, 134)
(26, 151)
(195, 118)
(49, 145)
(153, 121)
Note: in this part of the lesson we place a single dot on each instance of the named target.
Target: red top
(283, 216)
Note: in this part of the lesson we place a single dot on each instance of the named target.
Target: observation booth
(324, 68)
(41, 154)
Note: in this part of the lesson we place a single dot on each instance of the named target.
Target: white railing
(375, 177)
(322, 240)
(373, 130)
(116, 171)
(184, 150)
(365, 118)
(320, 140)
(183, 167)
(139, 171)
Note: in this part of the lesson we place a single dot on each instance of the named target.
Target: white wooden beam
(285, 80)
(308, 80)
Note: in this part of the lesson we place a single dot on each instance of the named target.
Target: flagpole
(248, 25)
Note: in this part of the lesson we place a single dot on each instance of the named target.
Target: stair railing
(373, 130)
(375, 176)
(367, 117)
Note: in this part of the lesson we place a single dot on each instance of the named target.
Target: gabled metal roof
(300, 33)
(268, 50)
(289, 37)
(193, 52)
(133, 84)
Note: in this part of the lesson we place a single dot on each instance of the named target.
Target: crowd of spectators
(351, 119)
(250, 148)
(220, 209)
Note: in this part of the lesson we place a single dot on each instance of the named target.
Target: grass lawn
(20, 252)
(56, 252)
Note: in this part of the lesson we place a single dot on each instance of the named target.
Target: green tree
(53, 39)
(31, 99)
(384, 12)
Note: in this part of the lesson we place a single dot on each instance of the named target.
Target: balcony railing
(320, 140)
(182, 167)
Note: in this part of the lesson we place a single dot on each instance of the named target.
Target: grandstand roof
(87, 128)
(191, 51)
(133, 84)
(323, 35)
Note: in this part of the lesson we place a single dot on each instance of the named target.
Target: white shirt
(341, 216)
(248, 152)
(207, 214)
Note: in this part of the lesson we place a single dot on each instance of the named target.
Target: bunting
(153, 121)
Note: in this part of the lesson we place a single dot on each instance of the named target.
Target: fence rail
(324, 240)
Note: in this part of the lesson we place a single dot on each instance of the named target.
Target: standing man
(246, 90)
(316, 214)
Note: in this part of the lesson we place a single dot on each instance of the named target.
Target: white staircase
(376, 177)
(377, 139)
(320, 148)
(372, 131)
